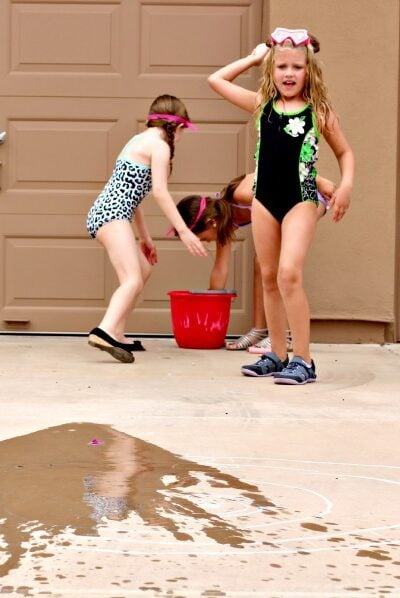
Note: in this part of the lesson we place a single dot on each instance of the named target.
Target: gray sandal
(254, 336)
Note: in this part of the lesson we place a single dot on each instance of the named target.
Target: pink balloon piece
(97, 441)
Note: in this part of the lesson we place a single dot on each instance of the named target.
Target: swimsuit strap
(142, 167)
(240, 225)
(125, 149)
(238, 205)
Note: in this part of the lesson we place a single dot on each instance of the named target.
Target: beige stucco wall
(351, 270)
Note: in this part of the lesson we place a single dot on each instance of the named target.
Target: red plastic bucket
(200, 318)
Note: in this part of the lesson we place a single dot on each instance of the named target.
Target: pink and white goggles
(298, 37)
(173, 118)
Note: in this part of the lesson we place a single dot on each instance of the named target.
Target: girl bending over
(143, 165)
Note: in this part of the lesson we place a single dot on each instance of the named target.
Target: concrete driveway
(176, 476)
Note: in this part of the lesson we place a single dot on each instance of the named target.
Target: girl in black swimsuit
(293, 109)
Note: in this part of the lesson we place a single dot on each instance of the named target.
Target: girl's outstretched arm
(159, 174)
(221, 80)
(220, 270)
(340, 199)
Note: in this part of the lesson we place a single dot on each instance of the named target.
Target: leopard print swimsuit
(129, 183)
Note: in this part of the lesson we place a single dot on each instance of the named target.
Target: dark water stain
(56, 478)
(314, 527)
(374, 554)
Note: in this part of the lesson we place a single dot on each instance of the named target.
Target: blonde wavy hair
(315, 91)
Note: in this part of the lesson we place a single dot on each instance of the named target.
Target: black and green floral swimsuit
(287, 150)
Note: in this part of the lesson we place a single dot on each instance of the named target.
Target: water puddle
(314, 527)
(78, 476)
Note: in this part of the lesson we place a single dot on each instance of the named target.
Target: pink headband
(173, 118)
(202, 207)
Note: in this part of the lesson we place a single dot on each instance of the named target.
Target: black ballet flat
(121, 351)
(135, 346)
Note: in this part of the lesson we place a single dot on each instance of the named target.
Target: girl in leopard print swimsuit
(143, 165)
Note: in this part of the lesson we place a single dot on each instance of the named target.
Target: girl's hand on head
(339, 203)
(149, 251)
(193, 243)
(259, 53)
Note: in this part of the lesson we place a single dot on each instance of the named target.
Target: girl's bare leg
(132, 270)
(258, 299)
(267, 241)
(298, 229)
(259, 329)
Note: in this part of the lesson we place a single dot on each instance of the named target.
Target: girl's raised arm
(340, 199)
(221, 80)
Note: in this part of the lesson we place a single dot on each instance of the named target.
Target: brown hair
(218, 210)
(315, 92)
(167, 104)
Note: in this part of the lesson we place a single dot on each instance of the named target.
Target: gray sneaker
(297, 372)
(268, 365)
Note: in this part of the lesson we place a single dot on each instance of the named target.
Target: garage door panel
(40, 30)
(203, 38)
(82, 281)
(67, 48)
(200, 162)
(122, 48)
(77, 268)
(57, 156)
(70, 152)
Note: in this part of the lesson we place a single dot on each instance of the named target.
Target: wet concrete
(177, 476)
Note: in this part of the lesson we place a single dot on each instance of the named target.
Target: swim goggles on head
(298, 37)
(202, 207)
(173, 118)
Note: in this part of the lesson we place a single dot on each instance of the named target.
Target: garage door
(76, 81)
